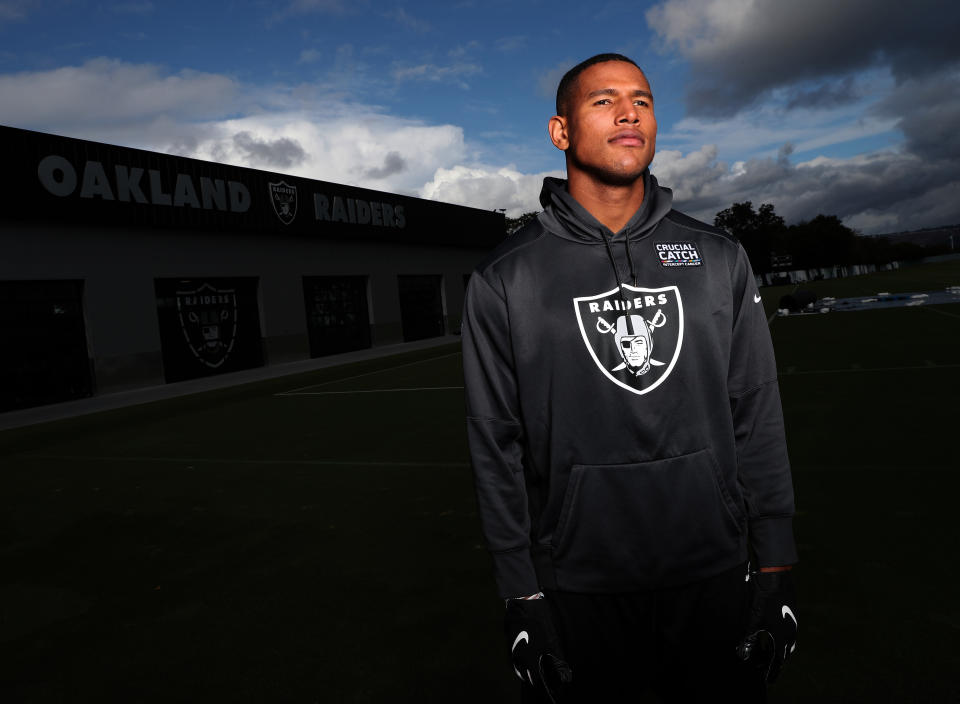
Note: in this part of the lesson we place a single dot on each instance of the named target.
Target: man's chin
(616, 177)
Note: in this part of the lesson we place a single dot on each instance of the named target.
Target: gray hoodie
(623, 412)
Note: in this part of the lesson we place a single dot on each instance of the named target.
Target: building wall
(119, 267)
(120, 219)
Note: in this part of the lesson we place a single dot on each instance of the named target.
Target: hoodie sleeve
(495, 435)
(763, 466)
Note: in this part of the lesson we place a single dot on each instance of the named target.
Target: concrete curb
(133, 397)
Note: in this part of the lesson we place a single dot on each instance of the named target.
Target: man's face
(610, 131)
(634, 350)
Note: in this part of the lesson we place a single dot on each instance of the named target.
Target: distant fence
(838, 271)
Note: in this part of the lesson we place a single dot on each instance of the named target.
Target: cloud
(461, 50)
(488, 187)
(280, 153)
(393, 163)
(884, 191)
(437, 74)
(309, 56)
(102, 92)
(512, 43)
(316, 144)
(689, 173)
(810, 126)
(11, 10)
(306, 7)
(908, 187)
(829, 94)
(309, 131)
(401, 16)
(873, 222)
(313, 131)
(549, 80)
(740, 50)
(928, 109)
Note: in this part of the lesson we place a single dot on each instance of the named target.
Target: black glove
(535, 646)
(772, 625)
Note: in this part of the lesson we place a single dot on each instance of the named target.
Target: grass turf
(243, 546)
(251, 547)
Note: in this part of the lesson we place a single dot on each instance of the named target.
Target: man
(622, 485)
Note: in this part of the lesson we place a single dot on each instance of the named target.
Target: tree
(874, 250)
(514, 224)
(822, 241)
(761, 233)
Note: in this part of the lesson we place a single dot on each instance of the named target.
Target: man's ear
(557, 127)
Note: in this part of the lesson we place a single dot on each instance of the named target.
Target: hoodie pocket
(631, 526)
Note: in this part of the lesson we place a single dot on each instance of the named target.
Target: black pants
(679, 642)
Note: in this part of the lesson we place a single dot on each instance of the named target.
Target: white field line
(941, 312)
(369, 391)
(220, 460)
(928, 365)
(357, 376)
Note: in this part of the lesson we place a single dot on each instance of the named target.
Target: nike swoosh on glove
(535, 647)
(772, 625)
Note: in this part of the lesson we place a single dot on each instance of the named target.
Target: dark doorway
(43, 358)
(337, 315)
(208, 326)
(421, 306)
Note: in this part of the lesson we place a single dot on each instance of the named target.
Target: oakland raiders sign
(633, 336)
(283, 196)
(208, 319)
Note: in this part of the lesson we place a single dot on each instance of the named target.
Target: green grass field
(869, 399)
(258, 545)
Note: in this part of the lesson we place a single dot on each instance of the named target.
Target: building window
(43, 358)
(208, 326)
(338, 317)
(421, 306)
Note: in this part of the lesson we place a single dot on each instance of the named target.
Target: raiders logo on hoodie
(633, 334)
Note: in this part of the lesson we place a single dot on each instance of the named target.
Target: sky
(841, 107)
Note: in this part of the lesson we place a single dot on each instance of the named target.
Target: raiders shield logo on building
(208, 318)
(634, 337)
(284, 199)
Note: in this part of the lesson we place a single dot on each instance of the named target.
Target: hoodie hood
(565, 217)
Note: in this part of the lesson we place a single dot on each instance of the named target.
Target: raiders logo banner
(283, 196)
(634, 336)
(208, 319)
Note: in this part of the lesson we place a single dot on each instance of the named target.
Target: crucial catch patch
(678, 253)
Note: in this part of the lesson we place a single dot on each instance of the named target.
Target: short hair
(569, 80)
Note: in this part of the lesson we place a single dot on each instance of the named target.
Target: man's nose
(628, 114)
